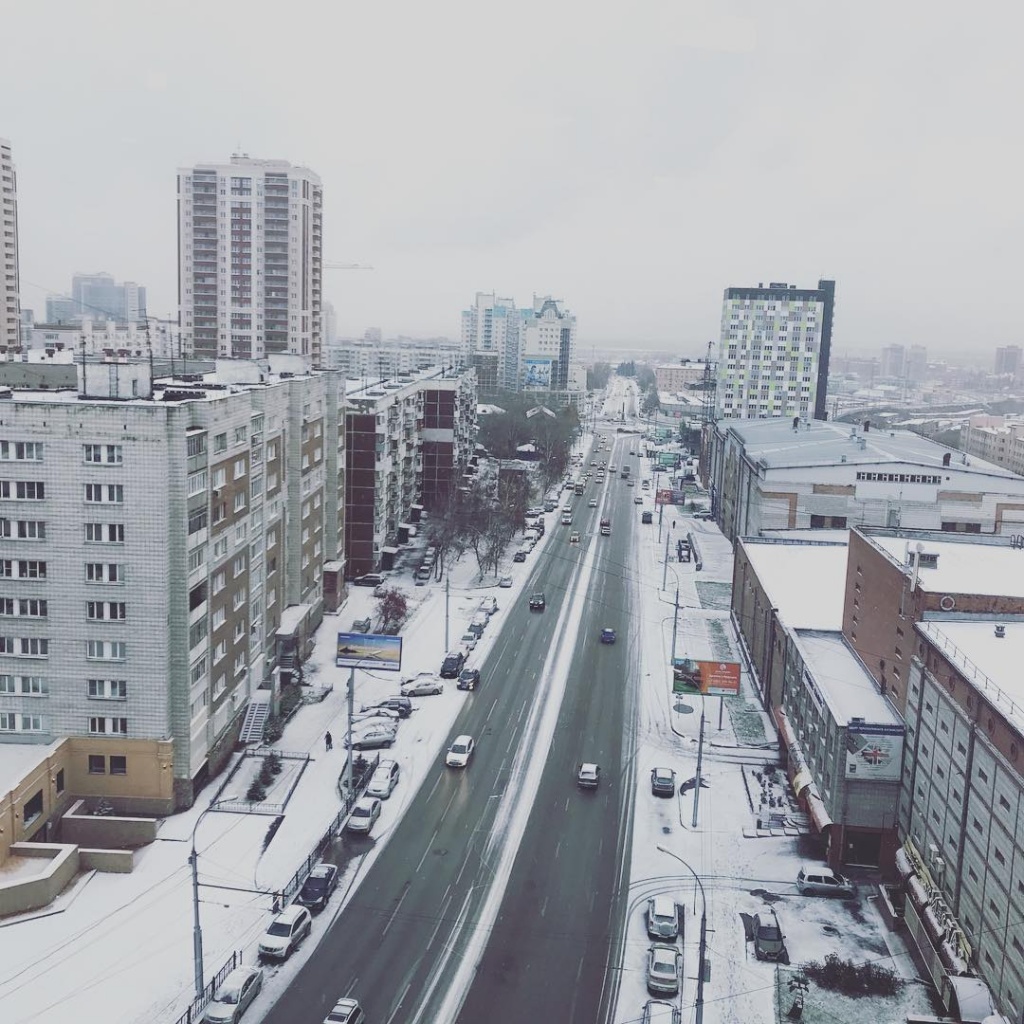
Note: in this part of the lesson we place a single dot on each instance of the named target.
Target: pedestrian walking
(329, 741)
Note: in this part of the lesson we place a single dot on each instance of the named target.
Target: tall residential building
(773, 356)
(917, 364)
(162, 549)
(366, 359)
(490, 338)
(9, 294)
(1008, 360)
(894, 360)
(249, 252)
(548, 345)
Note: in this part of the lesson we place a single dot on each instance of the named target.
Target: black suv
(536, 602)
(469, 679)
(452, 665)
(317, 889)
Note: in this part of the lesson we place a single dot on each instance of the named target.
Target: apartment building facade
(367, 359)
(10, 308)
(105, 339)
(490, 339)
(997, 439)
(773, 355)
(149, 548)
(675, 377)
(250, 259)
(407, 443)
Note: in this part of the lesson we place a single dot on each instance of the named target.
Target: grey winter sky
(631, 159)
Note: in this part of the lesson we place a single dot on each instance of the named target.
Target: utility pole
(700, 754)
(675, 629)
(664, 574)
(348, 733)
(446, 593)
(197, 932)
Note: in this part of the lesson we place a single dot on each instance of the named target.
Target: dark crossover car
(608, 635)
(452, 665)
(317, 889)
(371, 579)
(469, 679)
(536, 602)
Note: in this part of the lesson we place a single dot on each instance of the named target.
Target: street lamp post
(702, 950)
(700, 755)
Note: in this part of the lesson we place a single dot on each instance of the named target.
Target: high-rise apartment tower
(774, 351)
(9, 301)
(249, 259)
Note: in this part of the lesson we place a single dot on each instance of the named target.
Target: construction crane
(346, 266)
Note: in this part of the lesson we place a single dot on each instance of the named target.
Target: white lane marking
(398, 906)
(426, 851)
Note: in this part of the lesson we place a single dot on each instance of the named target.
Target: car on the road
(384, 779)
(426, 684)
(549, 506)
(567, 508)
(452, 664)
(629, 483)
(663, 969)
(469, 679)
(460, 753)
(236, 993)
(567, 519)
(520, 555)
(317, 888)
(638, 499)
(663, 781)
(611, 468)
(362, 625)
(398, 703)
(703, 513)
(505, 582)
(374, 737)
(574, 537)
(285, 933)
(662, 918)
(468, 640)
(592, 503)
(346, 1011)
(364, 814)
(588, 775)
(769, 942)
(647, 518)
(814, 881)
(370, 579)
(536, 602)
(608, 635)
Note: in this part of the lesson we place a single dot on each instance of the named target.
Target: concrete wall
(109, 861)
(61, 866)
(107, 831)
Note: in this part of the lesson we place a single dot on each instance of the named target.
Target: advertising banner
(663, 496)
(874, 752)
(537, 373)
(712, 678)
(369, 650)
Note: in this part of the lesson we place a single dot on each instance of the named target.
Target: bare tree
(392, 607)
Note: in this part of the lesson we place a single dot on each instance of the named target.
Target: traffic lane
(387, 942)
(546, 959)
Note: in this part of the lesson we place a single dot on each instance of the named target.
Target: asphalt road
(425, 928)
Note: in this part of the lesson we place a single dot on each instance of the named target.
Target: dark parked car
(371, 579)
(362, 626)
(536, 602)
(317, 889)
(519, 556)
(647, 517)
(452, 665)
(397, 703)
(469, 679)
(392, 629)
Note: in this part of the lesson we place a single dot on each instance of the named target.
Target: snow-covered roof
(842, 678)
(16, 759)
(805, 582)
(820, 442)
(991, 662)
(961, 567)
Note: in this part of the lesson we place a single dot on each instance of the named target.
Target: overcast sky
(630, 159)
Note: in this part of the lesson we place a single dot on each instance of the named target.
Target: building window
(33, 807)
(24, 647)
(106, 650)
(99, 611)
(97, 764)
(21, 451)
(109, 494)
(196, 483)
(118, 764)
(59, 781)
(195, 444)
(239, 471)
(23, 490)
(104, 454)
(23, 529)
(196, 557)
(99, 726)
(107, 689)
(239, 503)
(104, 533)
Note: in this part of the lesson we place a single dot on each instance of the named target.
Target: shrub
(266, 774)
(273, 730)
(291, 698)
(853, 979)
(255, 793)
(272, 763)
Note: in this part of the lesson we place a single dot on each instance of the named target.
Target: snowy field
(118, 948)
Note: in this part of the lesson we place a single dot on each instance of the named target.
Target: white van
(531, 534)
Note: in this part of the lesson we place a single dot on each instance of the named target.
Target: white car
(384, 779)
(236, 992)
(286, 933)
(364, 814)
(468, 641)
(505, 582)
(460, 753)
(663, 969)
(425, 684)
(593, 502)
(346, 1011)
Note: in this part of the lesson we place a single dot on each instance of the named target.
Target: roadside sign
(664, 496)
(712, 678)
(369, 650)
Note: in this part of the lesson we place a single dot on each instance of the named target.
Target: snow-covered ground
(118, 948)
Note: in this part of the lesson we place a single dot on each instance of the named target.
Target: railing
(198, 1005)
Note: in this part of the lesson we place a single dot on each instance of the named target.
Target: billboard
(664, 496)
(712, 678)
(537, 373)
(874, 752)
(369, 650)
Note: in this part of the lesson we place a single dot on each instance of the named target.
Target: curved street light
(699, 1003)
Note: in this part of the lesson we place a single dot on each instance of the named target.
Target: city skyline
(628, 199)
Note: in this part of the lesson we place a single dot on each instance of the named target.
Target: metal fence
(198, 1005)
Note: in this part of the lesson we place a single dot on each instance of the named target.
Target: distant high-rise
(249, 252)
(917, 363)
(1008, 360)
(98, 297)
(894, 361)
(773, 356)
(10, 302)
(491, 341)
